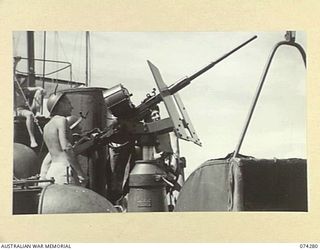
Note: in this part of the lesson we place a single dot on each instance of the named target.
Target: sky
(217, 102)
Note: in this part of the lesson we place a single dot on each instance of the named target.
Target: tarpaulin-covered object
(246, 184)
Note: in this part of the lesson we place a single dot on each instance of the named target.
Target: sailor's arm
(36, 102)
(66, 146)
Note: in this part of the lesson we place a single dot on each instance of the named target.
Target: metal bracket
(290, 41)
(182, 125)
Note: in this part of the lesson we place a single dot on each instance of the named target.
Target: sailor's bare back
(58, 139)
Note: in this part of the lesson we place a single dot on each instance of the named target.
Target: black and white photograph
(140, 122)
(167, 121)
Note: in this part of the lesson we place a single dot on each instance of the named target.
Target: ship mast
(30, 50)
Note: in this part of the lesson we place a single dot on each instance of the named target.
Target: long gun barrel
(143, 108)
(118, 95)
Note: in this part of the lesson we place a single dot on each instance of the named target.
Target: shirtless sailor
(25, 109)
(64, 167)
(75, 128)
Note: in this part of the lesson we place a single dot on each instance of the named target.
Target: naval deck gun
(147, 181)
(117, 99)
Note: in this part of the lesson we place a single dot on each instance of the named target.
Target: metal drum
(58, 199)
(25, 161)
(117, 99)
(89, 102)
(25, 193)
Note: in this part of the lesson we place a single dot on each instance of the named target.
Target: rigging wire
(58, 46)
(80, 53)
(47, 74)
(66, 57)
(62, 48)
(90, 63)
(57, 43)
(56, 49)
(75, 46)
(88, 57)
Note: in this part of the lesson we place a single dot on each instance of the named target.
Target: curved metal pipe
(264, 75)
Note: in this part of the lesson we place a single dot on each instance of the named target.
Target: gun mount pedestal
(147, 188)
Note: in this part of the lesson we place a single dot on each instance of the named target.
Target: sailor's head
(154, 114)
(59, 104)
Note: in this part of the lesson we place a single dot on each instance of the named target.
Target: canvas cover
(246, 184)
